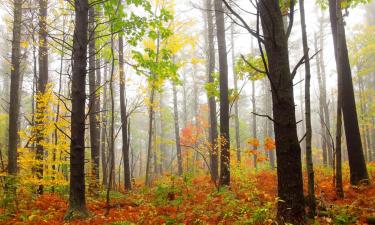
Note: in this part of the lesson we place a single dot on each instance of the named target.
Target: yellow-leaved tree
(55, 142)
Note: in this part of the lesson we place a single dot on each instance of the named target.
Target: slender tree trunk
(177, 131)
(150, 131)
(323, 128)
(151, 119)
(57, 118)
(326, 115)
(338, 168)
(15, 80)
(163, 150)
(111, 152)
(213, 133)
(93, 107)
(269, 127)
(103, 141)
(224, 103)
(289, 166)
(358, 171)
(236, 117)
(41, 88)
(362, 114)
(124, 117)
(77, 199)
(309, 160)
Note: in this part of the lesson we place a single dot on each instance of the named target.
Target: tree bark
(213, 133)
(103, 138)
(358, 171)
(41, 88)
(224, 103)
(14, 97)
(77, 199)
(289, 168)
(93, 107)
(124, 117)
(177, 131)
(309, 160)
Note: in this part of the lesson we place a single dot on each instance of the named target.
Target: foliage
(362, 50)
(55, 153)
(344, 3)
(250, 68)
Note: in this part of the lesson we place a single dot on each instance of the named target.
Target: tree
(309, 160)
(15, 80)
(124, 117)
(94, 106)
(224, 102)
(213, 134)
(358, 171)
(177, 131)
(77, 198)
(288, 151)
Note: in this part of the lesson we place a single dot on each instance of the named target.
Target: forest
(124, 112)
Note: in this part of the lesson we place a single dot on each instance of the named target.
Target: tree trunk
(103, 138)
(224, 103)
(236, 117)
(77, 199)
(177, 131)
(323, 128)
(338, 168)
(124, 117)
(309, 160)
(269, 128)
(41, 88)
(15, 80)
(163, 150)
(93, 107)
(289, 168)
(358, 171)
(324, 95)
(213, 133)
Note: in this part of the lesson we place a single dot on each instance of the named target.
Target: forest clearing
(187, 112)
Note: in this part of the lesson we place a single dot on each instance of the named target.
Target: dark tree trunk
(15, 80)
(103, 138)
(289, 167)
(212, 132)
(77, 200)
(93, 107)
(338, 168)
(358, 171)
(41, 88)
(224, 103)
(150, 131)
(124, 117)
(177, 131)
(309, 160)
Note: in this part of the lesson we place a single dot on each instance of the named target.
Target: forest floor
(194, 200)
